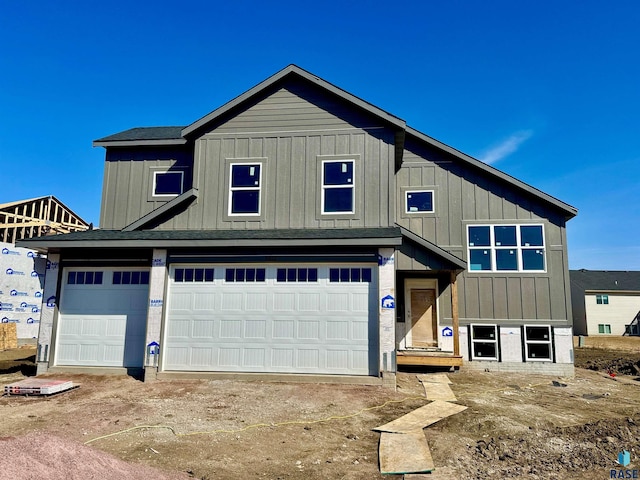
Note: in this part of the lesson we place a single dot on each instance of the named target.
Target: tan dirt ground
(516, 426)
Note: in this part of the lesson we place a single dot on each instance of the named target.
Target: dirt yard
(516, 425)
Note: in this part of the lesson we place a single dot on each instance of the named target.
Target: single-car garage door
(280, 319)
(102, 320)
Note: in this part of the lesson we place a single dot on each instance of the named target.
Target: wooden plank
(422, 417)
(434, 378)
(453, 361)
(404, 453)
(439, 391)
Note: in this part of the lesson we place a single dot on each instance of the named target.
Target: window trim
(473, 340)
(166, 195)
(324, 187)
(518, 247)
(528, 342)
(420, 190)
(233, 189)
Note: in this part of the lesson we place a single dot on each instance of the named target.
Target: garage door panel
(272, 326)
(101, 324)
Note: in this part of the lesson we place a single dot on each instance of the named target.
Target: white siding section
(620, 311)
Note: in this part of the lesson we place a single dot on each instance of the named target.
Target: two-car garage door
(288, 319)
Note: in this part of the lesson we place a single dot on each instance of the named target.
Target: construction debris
(38, 386)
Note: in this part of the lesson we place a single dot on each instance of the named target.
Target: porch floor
(428, 358)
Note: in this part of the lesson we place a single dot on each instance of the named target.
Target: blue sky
(546, 91)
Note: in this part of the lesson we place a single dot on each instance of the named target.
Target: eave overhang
(357, 237)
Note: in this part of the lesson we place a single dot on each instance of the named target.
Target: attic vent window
(167, 184)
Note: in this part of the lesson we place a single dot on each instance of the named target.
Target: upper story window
(244, 189)
(338, 191)
(504, 248)
(167, 184)
(602, 299)
(419, 201)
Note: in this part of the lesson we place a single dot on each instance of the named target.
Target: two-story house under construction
(298, 229)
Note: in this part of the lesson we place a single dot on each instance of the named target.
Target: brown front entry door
(424, 322)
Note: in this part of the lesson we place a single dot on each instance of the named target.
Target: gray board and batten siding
(289, 131)
(465, 196)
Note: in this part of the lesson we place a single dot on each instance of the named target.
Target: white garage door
(103, 316)
(281, 319)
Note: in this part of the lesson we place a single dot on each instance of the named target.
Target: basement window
(537, 343)
(484, 342)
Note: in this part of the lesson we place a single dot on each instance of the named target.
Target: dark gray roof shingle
(606, 280)
(145, 133)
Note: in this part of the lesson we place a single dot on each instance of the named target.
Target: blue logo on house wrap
(32, 320)
(51, 302)
(11, 271)
(38, 294)
(388, 302)
(6, 251)
(18, 293)
(447, 332)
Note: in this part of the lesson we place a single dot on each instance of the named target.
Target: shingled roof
(603, 280)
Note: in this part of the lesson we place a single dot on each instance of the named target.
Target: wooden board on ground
(422, 417)
(434, 378)
(404, 453)
(439, 391)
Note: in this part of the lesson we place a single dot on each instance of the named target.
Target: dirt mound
(592, 447)
(37, 456)
(620, 363)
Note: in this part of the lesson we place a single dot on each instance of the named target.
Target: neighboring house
(22, 270)
(298, 229)
(605, 302)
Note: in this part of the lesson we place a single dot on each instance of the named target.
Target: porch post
(454, 313)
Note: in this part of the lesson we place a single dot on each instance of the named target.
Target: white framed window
(168, 184)
(245, 184)
(338, 186)
(484, 342)
(537, 343)
(602, 299)
(604, 328)
(418, 201)
(504, 248)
